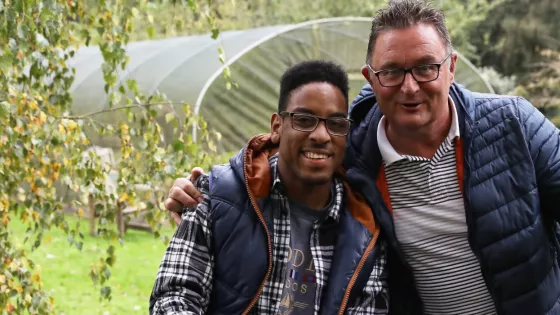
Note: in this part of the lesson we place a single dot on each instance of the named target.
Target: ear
(367, 74)
(452, 64)
(276, 128)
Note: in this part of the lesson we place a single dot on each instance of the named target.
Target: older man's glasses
(336, 126)
(420, 73)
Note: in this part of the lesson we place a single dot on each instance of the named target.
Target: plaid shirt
(184, 280)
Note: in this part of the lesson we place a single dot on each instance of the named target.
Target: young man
(278, 232)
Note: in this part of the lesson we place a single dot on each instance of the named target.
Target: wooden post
(92, 231)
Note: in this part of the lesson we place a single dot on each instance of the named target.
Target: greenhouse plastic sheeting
(187, 69)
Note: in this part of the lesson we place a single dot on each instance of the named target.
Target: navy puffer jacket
(512, 198)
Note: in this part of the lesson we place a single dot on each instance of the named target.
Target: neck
(422, 142)
(312, 196)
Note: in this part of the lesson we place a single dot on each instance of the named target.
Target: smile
(315, 156)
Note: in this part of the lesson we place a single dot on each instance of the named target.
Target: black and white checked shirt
(184, 279)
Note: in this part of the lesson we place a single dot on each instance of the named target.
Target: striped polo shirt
(431, 228)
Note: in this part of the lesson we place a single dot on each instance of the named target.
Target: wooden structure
(122, 212)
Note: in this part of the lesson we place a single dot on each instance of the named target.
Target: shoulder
(226, 191)
(489, 100)
(224, 181)
(498, 116)
(503, 107)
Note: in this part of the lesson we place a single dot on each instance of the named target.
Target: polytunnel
(188, 70)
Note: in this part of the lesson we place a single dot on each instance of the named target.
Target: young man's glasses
(420, 73)
(336, 126)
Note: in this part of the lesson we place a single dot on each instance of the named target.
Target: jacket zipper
(261, 218)
(368, 251)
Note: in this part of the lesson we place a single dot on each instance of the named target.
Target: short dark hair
(310, 72)
(406, 13)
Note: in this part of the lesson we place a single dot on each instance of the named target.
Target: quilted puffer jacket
(511, 160)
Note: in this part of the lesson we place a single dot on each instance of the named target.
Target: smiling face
(412, 106)
(310, 158)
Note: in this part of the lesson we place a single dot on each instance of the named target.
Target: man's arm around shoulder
(184, 280)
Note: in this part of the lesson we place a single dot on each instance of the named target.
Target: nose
(409, 86)
(320, 134)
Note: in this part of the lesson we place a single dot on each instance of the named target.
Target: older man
(468, 184)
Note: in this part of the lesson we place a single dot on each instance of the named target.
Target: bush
(45, 150)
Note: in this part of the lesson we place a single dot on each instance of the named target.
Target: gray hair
(406, 13)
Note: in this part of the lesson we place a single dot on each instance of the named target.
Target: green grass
(65, 270)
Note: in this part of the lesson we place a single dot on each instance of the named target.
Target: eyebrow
(427, 60)
(388, 65)
(303, 110)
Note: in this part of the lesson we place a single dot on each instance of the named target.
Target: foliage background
(47, 169)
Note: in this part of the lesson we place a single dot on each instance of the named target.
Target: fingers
(185, 193)
(173, 205)
(176, 217)
(195, 173)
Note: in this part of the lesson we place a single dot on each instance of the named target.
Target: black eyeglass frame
(319, 119)
(410, 70)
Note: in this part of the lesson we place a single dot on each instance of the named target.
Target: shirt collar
(390, 155)
(276, 182)
(334, 211)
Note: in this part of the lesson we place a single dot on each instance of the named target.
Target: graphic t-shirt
(300, 286)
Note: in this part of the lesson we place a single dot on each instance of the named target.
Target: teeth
(312, 155)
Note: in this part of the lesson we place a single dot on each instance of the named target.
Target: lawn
(64, 270)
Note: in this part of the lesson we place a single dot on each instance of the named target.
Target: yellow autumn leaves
(12, 271)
